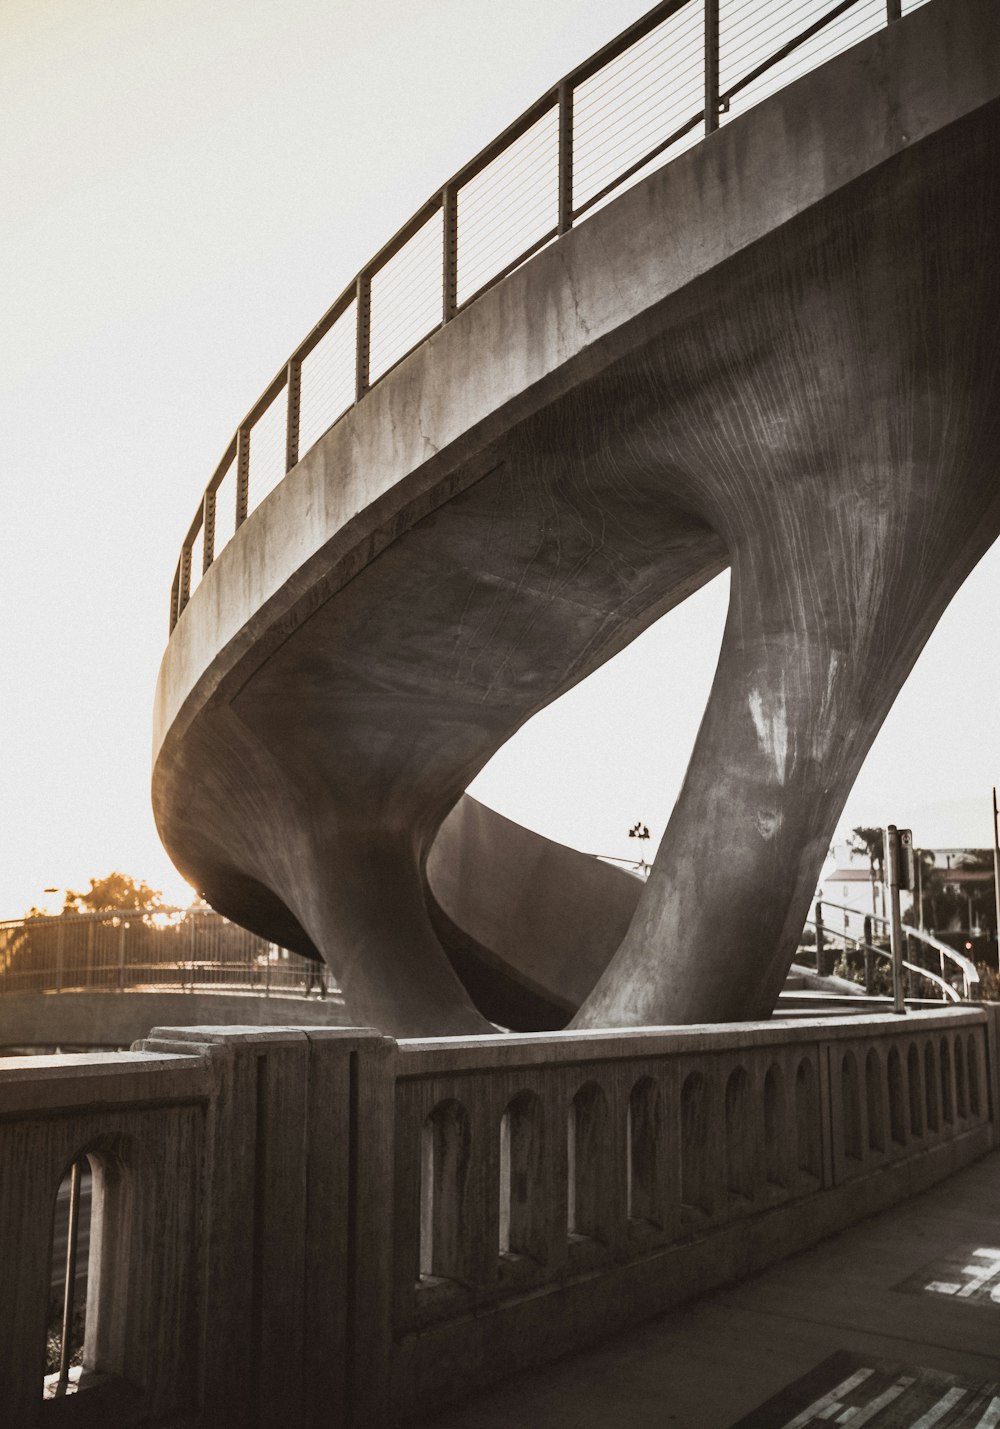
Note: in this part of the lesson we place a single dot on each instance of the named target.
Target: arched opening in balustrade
(944, 1066)
(873, 1101)
(446, 1144)
(807, 1130)
(850, 1101)
(739, 1136)
(930, 1088)
(68, 1281)
(972, 1067)
(522, 1171)
(90, 1269)
(696, 1171)
(587, 1163)
(897, 1106)
(644, 1133)
(961, 1084)
(774, 1125)
(915, 1088)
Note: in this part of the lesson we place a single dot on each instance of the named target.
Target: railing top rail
(105, 915)
(423, 1057)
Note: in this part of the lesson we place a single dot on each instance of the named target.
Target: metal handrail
(945, 986)
(711, 102)
(968, 968)
(147, 950)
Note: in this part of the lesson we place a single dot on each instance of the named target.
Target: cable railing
(666, 82)
(137, 950)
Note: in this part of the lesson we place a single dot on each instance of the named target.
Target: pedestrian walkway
(893, 1324)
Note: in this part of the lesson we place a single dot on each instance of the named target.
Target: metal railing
(964, 966)
(166, 950)
(664, 83)
(945, 991)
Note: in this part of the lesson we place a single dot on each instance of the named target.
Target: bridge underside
(819, 412)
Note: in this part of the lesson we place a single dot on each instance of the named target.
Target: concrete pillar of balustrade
(295, 1226)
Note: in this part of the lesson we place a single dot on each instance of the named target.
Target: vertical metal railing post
(293, 395)
(207, 530)
(821, 968)
(363, 308)
(449, 269)
(242, 475)
(60, 954)
(69, 1283)
(175, 590)
(184, 587)
(711, 66)
(893, 10)
(121, 954)
(565, 157)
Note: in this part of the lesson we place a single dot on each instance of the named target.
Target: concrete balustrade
(326, 1226)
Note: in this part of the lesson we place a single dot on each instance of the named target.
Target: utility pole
(996, 871)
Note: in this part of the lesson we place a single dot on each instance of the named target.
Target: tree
(115, 890)
(872, 843)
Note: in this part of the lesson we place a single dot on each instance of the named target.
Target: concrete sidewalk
(895, 1322)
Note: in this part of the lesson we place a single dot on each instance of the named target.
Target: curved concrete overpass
(780, 352)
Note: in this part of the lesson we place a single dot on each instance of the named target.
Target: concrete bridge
(779, 352)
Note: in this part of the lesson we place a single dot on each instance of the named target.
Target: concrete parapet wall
(117, 1019)
(326, 1226)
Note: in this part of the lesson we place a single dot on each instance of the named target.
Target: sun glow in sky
(186, 187)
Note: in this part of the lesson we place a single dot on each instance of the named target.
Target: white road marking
(827, 1400)
(992, 1416)
(939, 1410)
(886, 1397)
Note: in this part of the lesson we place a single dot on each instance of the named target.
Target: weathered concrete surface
(781, 351)
(710, 1362)
(117, 1019)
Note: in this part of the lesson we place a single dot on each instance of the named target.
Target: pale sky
(186, 187)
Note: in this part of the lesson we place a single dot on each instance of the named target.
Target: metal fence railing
(194, 950)
(663, 84)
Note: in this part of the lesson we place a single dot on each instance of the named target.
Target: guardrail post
(175, 591)
(242, 474)
(565, 157)
(208, 530)
(869, 956)
(184, 587)
(711, 66)
(893, 10)
(364, 333)
(293, 393)
(821, 958)
(449, 275)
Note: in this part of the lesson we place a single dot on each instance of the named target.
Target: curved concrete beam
(781, 351)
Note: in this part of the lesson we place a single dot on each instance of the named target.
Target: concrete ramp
(780, 352)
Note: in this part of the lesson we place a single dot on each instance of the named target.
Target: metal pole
(69, 1284)
(920, 889)
(821, 969)
(869, 956)
(565, 157)
(893, 10)
(996, 870)
(891, 855)
(711, 66)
